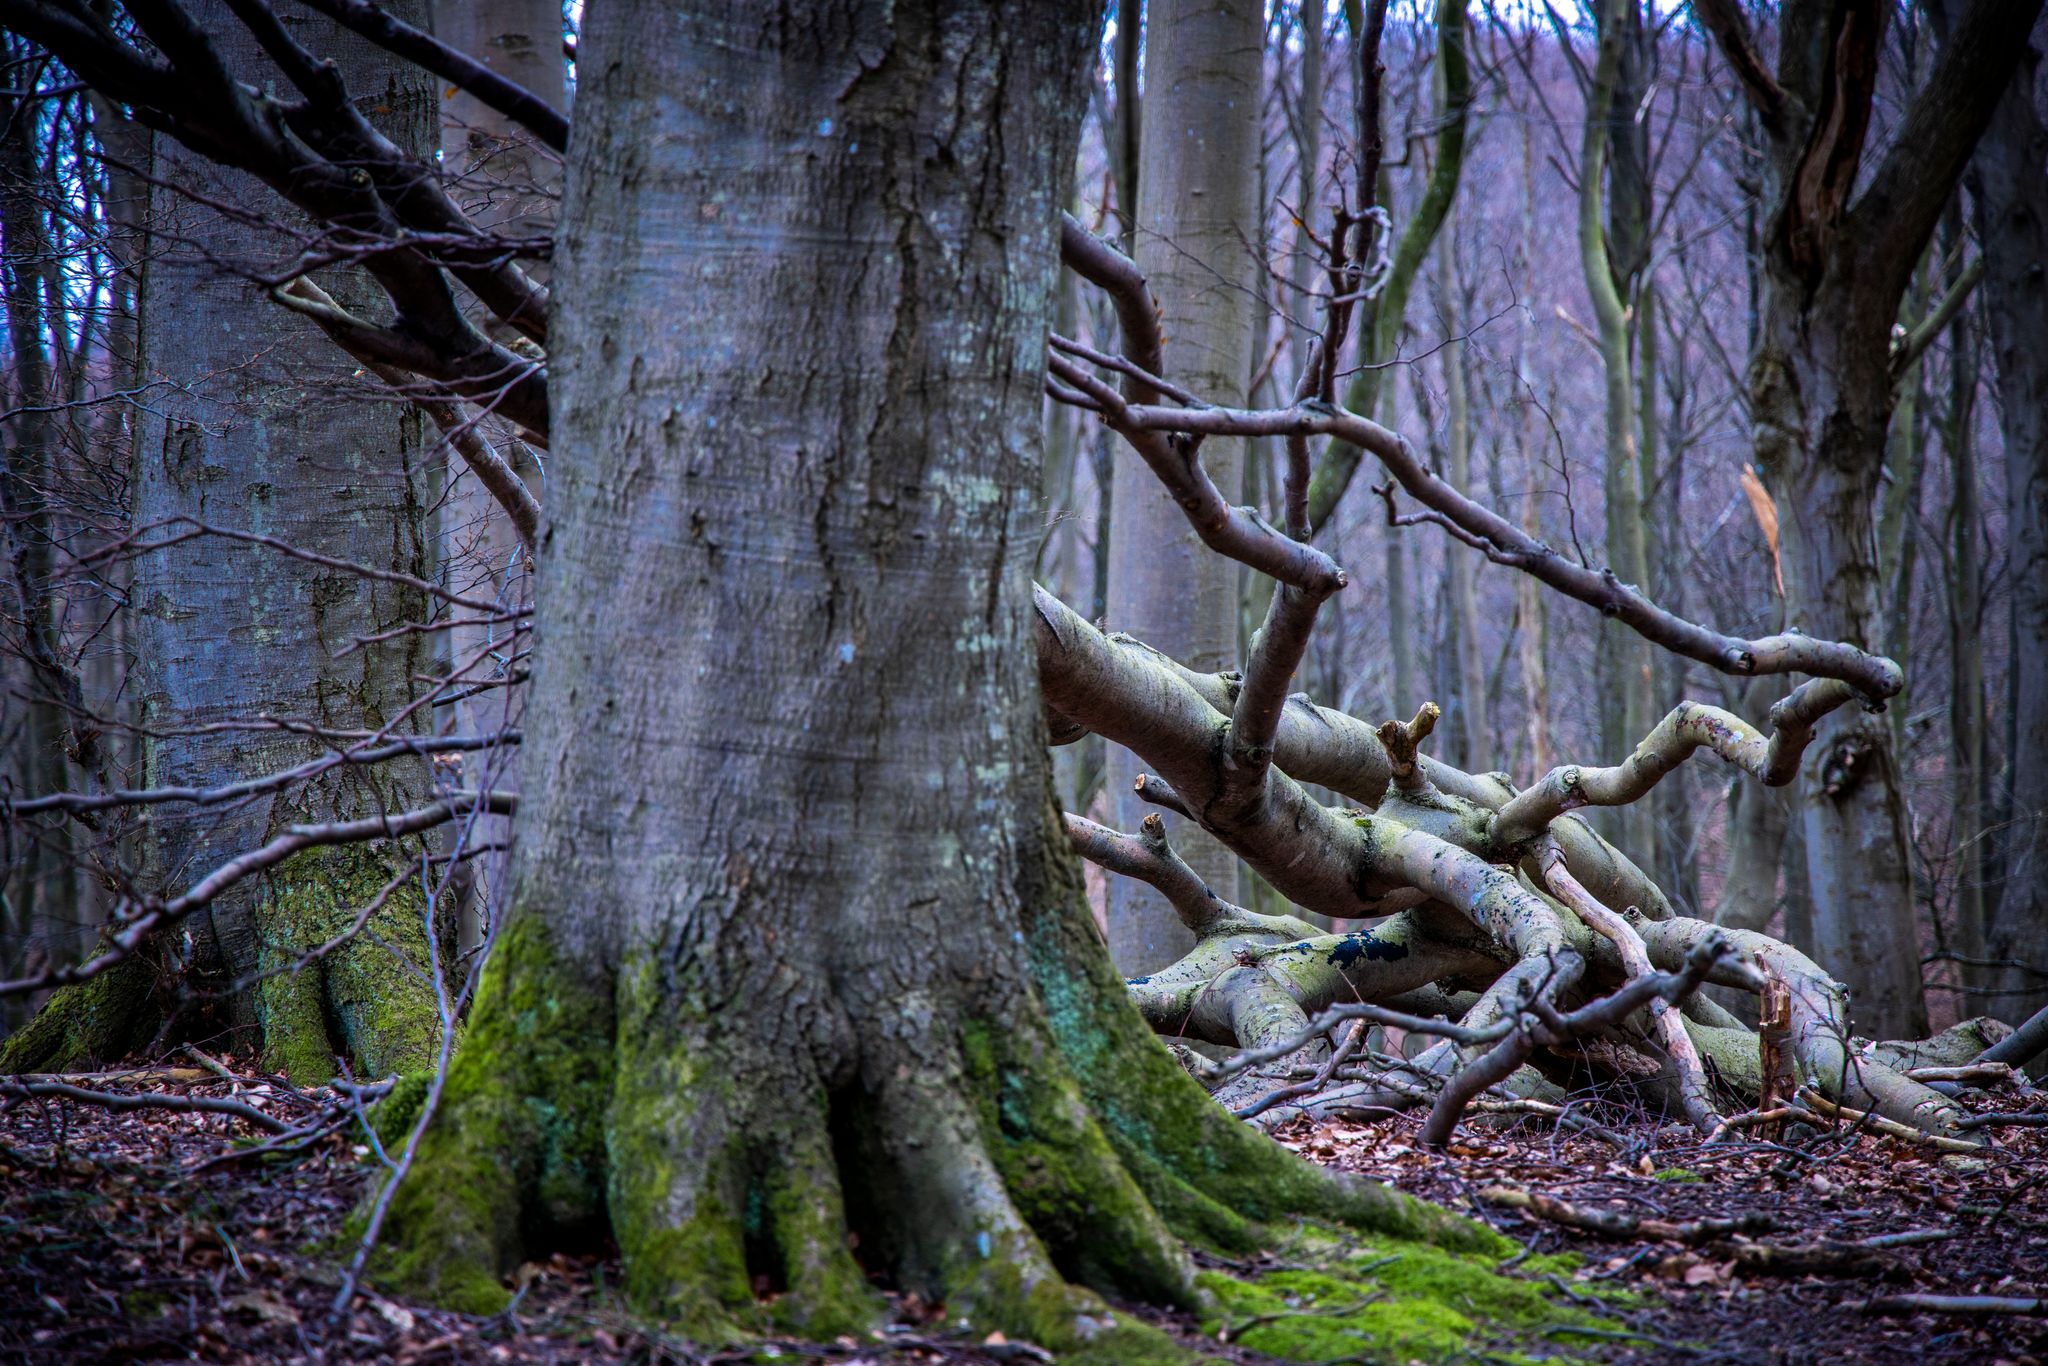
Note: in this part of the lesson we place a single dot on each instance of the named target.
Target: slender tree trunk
(1623, 660)
(1197, 215)
(828, 972)
(2011, 199)
(258, 430)
(1474, 736)
(1965, 649)
(1530, 602)
(1677, 798)
(1128, 122)
(509, 184)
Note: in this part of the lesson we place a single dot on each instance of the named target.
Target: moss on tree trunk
(796, 949)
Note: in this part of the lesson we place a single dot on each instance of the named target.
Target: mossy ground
(1397, 1301)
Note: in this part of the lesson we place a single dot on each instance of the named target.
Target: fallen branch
(1626, 1227)
(1890, 1128)
(1955, 1304)
(25, 1087)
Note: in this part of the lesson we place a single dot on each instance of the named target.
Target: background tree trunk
(1614, 142)
(1197, 220)
(2011, 197)
(507, 183)
(254, 432)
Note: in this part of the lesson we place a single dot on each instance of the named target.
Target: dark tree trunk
(1838, 255)
(2011, 194)
(39, 879)
(791, 951)
(256, 431)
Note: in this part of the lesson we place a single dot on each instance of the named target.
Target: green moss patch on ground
(1386, 1300)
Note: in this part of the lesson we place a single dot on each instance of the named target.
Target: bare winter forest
(1227, 681)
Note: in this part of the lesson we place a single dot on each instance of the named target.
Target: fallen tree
(1503, 911)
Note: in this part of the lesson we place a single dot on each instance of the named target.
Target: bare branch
(155, 917)
(509, 98)
(1875, 677)
(1688, 727)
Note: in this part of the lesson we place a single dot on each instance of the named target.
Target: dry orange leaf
(1766, 510)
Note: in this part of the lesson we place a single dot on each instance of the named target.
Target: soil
(153, 1236)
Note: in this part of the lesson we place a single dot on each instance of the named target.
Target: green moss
(515, 1157)
(372, 996)
(392, 1117)
(1064, 1177)
(1190, 1156)
(294, 1020)
(703, 1171)
(1073, 1323)
(1394, 1301)
(86, 1025)
(828, 1294)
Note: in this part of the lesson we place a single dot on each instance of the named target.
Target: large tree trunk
(791, 952)
(1197, 218)
(2012, 223)
(255, 431)
(1820, 396)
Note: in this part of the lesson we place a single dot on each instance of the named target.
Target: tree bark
(1474, 737)
(257, 430)
(1197, 219)
(1838, 255)
(2011, 197)
(507, 183)
(1611, 143)
(830, 970)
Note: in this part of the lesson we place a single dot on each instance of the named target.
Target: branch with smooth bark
(1635, 957)
(1150, 859)
(1686, 729)
(1507, 543)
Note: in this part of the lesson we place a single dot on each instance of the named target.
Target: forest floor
(124, 1237)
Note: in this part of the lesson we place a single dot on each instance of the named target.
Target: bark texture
(834, 973)
(508, 183)
(1197, 218)
(255, 433)
(2009, 181)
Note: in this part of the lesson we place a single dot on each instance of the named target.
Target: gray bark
(1197, 213)
(263, 433)
(508, 183)
(783, 912)
(2011, 194)
(831, 527)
